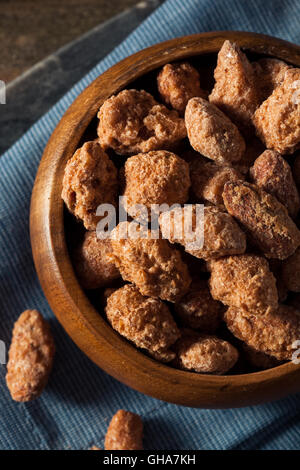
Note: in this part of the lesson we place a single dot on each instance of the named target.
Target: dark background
(48, 45)
(32, 29)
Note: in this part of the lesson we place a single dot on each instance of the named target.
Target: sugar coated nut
(235, 91)
(91, 264)
(133, 122)
(272, 173)
(277, 120)
(221, 234)
(272, 334)
(157, 177)
(291, 272)
(208, 180)
(90, 179)
(204, 353)
(177, 84)
(154, 266)
(145, 321)
(30, 357)
(211, 133)
(244, 281)
(198, 310)
(264, 217)
(125, 432)
(269, 73)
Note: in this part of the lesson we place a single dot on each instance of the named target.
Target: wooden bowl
(69, 302)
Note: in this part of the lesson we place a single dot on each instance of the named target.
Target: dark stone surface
(31, 95)
(30, 30)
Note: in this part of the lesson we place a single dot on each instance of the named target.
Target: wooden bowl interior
(81, 313)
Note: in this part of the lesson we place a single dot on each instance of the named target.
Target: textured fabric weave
(80, 399)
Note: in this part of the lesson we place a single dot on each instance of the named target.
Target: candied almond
(132, 122)
(208, 180)
(264, 217)
(273, 334)
(125, 432)
(211, 133)
(178, 83)
(272, 173)
(215, 235)
(145, 321)
(244, 281)
(90, 179)
(91, 264)
(155, 178)
(235, 91)
(205, 354)
(30, 356)
(269, 74)
(152, 264)
(277, 120)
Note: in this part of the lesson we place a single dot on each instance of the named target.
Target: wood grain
(68, 301)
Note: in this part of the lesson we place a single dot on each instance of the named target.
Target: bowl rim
(89, 330)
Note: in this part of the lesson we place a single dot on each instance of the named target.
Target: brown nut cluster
(133, 122)
(90, 179)
(211, 133)
(91, 264)
(177, 83)
(153, 265)
(215, 236)
(269, 74)
(235, 91)
(198, 310)
(272, 173)
(273, 334)
(30, 357)
(125, 432)
(216, 222)
(204, 353)
(155, 178)
(208, 180)
(244, 281)
(264, 217)
(277, 120)
(145, 321)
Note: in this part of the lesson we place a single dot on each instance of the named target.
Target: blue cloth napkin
(80, 399)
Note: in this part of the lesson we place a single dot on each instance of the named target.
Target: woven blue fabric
(80, 399)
